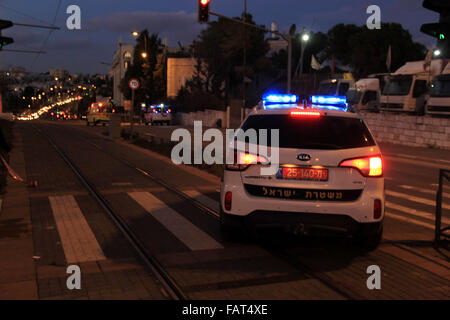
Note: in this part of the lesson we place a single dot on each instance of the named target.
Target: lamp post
(305, 39)
(144, 54)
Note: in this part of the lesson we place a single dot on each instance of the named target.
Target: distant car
(160, 114)
(98, 113)
(329, 177)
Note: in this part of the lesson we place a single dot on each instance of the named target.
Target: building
(123, 58)
(179, 70)
(59, 73)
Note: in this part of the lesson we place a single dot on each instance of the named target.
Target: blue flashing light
(274, 98)
(281, 105)
(342, 107)
(329, 100)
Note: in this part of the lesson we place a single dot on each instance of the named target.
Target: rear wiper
(321, 145)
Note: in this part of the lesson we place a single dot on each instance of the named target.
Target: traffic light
(203, 11)
(4, 41)
(440, 30)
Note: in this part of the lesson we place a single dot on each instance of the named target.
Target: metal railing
(441, 232)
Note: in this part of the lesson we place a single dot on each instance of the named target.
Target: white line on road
(413, 221)
(422, 214)
(78, 240)
(415, 199)
(205, 200)
(433, 192)
(419, 163)
(417, 157)
(183, 229)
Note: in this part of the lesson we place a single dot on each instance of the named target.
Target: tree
(370, 47)
(220, 47)
(365, 51)
(149, 69)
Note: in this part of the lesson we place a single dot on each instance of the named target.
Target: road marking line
(78, 240)
(121, 184)
(205, 200)
(415, 199)
(419, 163)
(413, 221)
(416, 157)
(433, 192)
(179, 226)
(422, 214)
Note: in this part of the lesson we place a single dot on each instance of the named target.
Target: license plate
(304, 174)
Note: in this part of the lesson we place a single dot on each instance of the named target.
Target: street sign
(134, 84)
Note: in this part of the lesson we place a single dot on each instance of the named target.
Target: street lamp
(135, 34)
(437, 53)
(144, 55)
(305, 37)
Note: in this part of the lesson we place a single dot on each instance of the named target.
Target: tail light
(377, 209)
(242, 160)
(368, 166)
(228, 200)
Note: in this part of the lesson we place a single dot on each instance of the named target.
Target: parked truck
(407, 88)
(438, 102)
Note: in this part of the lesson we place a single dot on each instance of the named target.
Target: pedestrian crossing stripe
(189, 234)
(414, 198)
(77, 239)
(428, 191)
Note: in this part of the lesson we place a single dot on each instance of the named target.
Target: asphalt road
(190, 246)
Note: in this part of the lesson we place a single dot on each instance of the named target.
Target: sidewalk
(17, 269)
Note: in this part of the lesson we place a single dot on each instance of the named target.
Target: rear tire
(369, 242)
(229, 232)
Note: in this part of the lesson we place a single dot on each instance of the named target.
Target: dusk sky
(104, 21)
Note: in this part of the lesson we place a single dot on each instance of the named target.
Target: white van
(335, 87)
(365, 95)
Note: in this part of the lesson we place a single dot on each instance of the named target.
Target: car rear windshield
(324, 132)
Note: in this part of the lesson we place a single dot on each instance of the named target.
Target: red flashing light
(204, 2)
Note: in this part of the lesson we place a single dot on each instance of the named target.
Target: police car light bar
(329, 100)
(273, 98)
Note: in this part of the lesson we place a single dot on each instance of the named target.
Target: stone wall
(208, 117)
(409, 130)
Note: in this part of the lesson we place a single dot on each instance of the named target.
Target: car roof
(323, 111)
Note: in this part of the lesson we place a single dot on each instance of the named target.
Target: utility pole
(244, 18)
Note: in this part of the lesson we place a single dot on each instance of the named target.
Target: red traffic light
(203, 11)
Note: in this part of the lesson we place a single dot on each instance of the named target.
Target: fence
(441, 232)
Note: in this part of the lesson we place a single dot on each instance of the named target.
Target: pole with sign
(134, 85)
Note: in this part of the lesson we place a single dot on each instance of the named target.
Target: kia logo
(304, 157)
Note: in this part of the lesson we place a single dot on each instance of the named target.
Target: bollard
(114, 126)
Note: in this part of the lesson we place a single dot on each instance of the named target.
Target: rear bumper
(308, 223)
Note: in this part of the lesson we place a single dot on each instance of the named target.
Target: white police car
(329, 177)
